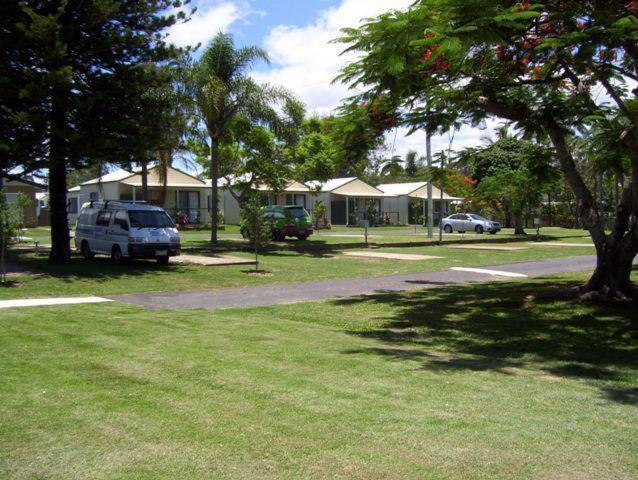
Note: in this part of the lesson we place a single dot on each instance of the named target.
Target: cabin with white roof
(410, 200)
(185, 196)
(294, 193)
(347, 200)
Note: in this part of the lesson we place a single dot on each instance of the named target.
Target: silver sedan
(469, 222)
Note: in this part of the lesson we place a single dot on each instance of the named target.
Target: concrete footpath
(326, 289)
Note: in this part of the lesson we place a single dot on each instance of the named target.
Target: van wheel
(163, 261)
(447, 229)
(479, 229)
(85, 249)
(116, 255)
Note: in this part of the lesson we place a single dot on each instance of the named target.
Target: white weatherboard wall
(230, 207)
(397, 204)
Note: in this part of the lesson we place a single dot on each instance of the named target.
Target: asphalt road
(327, 289)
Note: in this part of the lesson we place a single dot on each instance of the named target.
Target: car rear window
(297, 212)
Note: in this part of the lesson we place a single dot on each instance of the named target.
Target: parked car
(469, 222)
(126, 230)
(287, 221)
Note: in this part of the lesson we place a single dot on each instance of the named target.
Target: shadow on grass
(99, 268)
(498, 327)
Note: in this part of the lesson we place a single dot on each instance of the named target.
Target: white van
(126, 230)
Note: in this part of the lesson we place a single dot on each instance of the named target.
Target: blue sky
(296, 34)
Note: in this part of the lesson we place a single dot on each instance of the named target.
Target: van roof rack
(106, 203)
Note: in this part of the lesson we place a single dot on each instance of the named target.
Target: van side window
(103, 218)
(121, 219)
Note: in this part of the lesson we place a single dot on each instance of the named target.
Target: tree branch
(613, 94)
(586, 204)
(520, 113)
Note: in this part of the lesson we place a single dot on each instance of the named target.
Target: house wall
(230, 207)
(232, 210)
(102, 191)
(314, 198)
(398, 205)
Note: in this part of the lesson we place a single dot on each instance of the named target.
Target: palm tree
(393, 167)
(501, 133)
(222, 90)
(412, 163)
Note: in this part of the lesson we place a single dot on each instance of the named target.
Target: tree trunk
(214, 173)
(2, 200)
(144, 180)
(615, 252)
(611, 279)
(508, 217)
(60, 248)
(3, 265)
(164, 163)
(517, 218)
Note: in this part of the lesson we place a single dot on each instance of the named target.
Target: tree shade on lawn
(492, 386)
(534, 64)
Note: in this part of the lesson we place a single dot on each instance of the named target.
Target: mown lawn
(461, 382)
(383, 236)
(99, 277)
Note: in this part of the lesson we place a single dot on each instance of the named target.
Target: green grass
(466, 382)
(102, 278)
(383, 236)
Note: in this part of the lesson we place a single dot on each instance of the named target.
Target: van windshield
(149, 219)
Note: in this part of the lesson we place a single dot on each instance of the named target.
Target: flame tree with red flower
(555, 70)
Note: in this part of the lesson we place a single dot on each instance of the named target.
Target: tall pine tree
(80, 67)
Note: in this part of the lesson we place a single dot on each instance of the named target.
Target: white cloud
(465, 137)
(209, 19)
(306, 62)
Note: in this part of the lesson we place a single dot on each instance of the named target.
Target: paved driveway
(326, 289)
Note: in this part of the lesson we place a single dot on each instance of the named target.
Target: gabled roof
(291, 185)
(330, 185)
(115, 176)
(414, 190)
(177, 178)
(401, 188)
(31, 183)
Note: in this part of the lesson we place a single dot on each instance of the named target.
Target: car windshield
(477, 217)
(149, 219)
(298, 212)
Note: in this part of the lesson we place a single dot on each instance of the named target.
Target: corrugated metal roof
(401, 188)
(330, 185)
(414, 190)
(115, 176)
